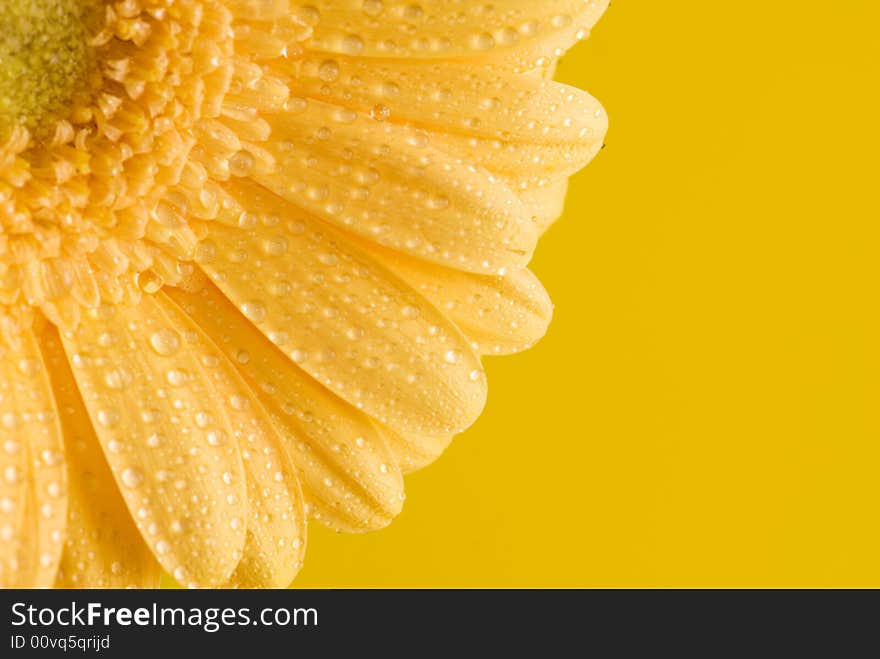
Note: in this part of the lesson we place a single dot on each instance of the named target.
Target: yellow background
(705, 410)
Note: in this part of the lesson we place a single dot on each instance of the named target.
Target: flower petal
(500, 315)
(546, 203)
(524, 165)
(33, 483)
(182, 478)
(345, 320)
(520, 29)
(414, 451)
(276, 527)
(395, 185)
(103, 547)
(348, 475)
(519, 126)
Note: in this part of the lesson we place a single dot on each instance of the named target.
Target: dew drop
(372, 7)
(509, 36)
(205, 252)
(149, 281)
(176, 377)
(380, 112)
(414, 12)
(390, 89)
(28, 366)
(165, 342)
(352, 44)
(151, 416)
(254, 310)
(560, 21)
(482, 41)
(328, 71)
(438, 203)
(241, 163)
(210, 361)
(108, 417)
(12, 474)
(275, 246)
(132, 477)
(117, 378)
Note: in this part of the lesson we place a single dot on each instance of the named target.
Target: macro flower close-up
(252, 254)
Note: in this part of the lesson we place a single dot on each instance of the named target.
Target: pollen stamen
(44, 58)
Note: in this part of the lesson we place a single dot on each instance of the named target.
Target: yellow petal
(520, 29)
(345, 320)
(541, 53)
(349, 477)
(546, 203)
(414, 451)
(531, 164)
(276, 525)
(182, 478)
(499, 315)
(515, 125)
(33, 483)
(399, 186)
(103, 548)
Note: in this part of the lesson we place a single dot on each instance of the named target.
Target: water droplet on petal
(165, 342)
(372, 7)
(254, 310)
(108, 417)
(132, 477)
(328, 71)
(117, 378)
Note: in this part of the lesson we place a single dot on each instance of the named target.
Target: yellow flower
(251, 253)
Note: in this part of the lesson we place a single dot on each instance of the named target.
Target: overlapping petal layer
(33, 482)
(249, 278)
(103, 547)
(166, 436)
(347, 472)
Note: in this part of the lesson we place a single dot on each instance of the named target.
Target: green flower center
(44, 57)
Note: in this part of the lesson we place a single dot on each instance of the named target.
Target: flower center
(44, 57)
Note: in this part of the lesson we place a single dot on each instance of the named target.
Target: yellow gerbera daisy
(251, 252)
